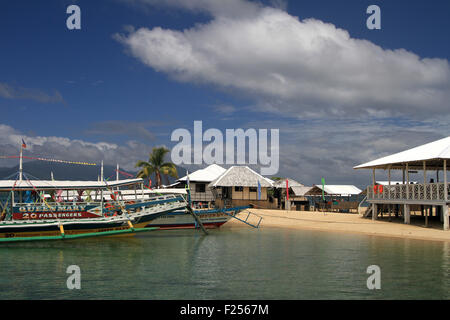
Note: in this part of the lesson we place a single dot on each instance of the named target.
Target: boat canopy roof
(7, 185)
(169, 191)
(433, 153)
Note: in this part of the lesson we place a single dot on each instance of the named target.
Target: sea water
(229, 263)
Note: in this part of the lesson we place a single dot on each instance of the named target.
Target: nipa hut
(342, 198)
(241, 186)
(296, 199)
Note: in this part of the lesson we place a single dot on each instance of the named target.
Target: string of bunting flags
(51, 160)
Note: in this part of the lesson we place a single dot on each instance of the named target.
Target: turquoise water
(227, 264)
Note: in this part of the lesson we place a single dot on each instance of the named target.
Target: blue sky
(99, 93)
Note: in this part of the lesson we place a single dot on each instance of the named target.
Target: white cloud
(225, 109)
(338, 101)
(288, 66)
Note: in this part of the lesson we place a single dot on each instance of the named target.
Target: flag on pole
(187, 179)
(188, 188)
(259, 190)
(24, 145)
(287, 190)
(323, 189)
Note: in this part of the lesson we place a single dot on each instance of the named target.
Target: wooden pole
(403, 174)
(445, 215)
(407, 181)
(407, 216)
(389, 190)
(374, 211)
(445, 206)
(445, 181)
(374, 205)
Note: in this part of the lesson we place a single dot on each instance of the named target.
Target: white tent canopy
(342, 190)
(433, 153)
(7, 185)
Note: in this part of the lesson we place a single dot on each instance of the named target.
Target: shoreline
(339, 223)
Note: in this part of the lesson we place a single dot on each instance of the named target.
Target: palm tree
(156, 165)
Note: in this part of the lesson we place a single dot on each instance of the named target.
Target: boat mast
(21, 163)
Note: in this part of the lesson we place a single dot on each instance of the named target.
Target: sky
(339, 93)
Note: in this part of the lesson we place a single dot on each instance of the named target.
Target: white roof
(207, 174)
(152, 191)
(169, 191)
(344, 190)
(437, 151)
(66, 185)
(386, 183)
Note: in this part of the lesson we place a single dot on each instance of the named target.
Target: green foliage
(156, 165)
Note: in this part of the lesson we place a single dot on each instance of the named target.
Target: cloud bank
(63, 148)
(308, 68)
(16, 92)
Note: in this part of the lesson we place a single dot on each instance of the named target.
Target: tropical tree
(156, 165)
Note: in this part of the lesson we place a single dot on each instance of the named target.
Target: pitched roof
(282, 183)
(300, 191)
(436, 150)
(241, 176)
(207, 174)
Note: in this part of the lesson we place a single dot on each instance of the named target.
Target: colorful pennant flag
(259, 191)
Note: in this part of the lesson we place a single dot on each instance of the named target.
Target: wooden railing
(429, 192)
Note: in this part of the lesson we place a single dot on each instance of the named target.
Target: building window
(238, 189)
(200, 187)
(253, 189)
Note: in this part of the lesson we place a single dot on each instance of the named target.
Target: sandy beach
(340, 222)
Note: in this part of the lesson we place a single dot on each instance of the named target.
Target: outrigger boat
(185, 218)
(46, 210)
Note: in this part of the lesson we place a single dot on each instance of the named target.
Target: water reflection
(228, 264)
